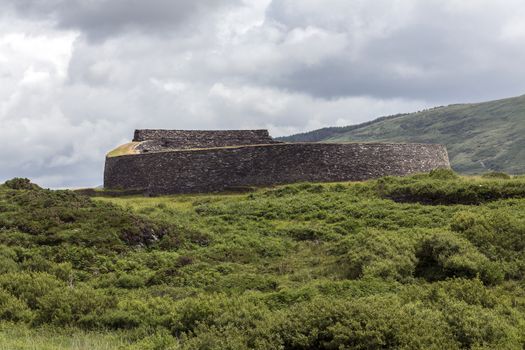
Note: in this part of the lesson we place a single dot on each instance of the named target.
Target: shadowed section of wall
(183, 139)
(211, 170)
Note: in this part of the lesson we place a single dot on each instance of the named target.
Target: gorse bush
(377, 254)
(430, 261)
(78, 305)
(499, 234)
(446, 255)
(30, 287)
(13, 309)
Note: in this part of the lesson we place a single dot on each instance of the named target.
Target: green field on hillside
(480, 137)
(433, 261)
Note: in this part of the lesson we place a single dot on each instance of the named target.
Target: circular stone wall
(217, 169)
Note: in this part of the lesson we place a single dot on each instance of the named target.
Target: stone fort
(189, 161)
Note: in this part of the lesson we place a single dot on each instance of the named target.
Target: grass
(21, 337)
(126, 149)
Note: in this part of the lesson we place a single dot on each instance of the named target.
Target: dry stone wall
(212, 170)
(185, 139)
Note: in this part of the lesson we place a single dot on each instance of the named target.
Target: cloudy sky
(77, 76)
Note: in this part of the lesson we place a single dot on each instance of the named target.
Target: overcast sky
(77, 76)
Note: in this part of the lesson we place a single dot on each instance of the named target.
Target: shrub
(365, 323)
(499, 235)
(242, 282)
(13, 309)
(72, 306)
(445, 255)
(217, 310)
(357, 288)
(119, 319)
(308, 233)
(215, 338)
(7, 260)
(469, 291)
(443, 174)
(130, 281)
(21, 184)
(160, 340)
(372, 253)
(287, 297)
(476, 327)
(29, 287)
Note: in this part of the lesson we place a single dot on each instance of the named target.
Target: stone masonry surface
(207, 169)
(181, 139)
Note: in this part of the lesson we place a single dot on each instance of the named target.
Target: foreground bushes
(456, 314)
(21, 184)
(307, 266)
(377, 254)
(13, 309)
(499, 235)
(446, 255)
(376, 322)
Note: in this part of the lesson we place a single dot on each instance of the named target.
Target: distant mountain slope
(488, 136)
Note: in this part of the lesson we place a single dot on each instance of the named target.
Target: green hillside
(432, 261)
(479, 137)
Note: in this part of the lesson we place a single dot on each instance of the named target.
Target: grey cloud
(100, 19)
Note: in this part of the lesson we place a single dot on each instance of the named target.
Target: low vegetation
(126, 149)
(424, 262)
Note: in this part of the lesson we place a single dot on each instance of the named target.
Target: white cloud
(265, 107)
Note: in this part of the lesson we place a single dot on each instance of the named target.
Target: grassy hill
(480, 137)
(425, 262)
